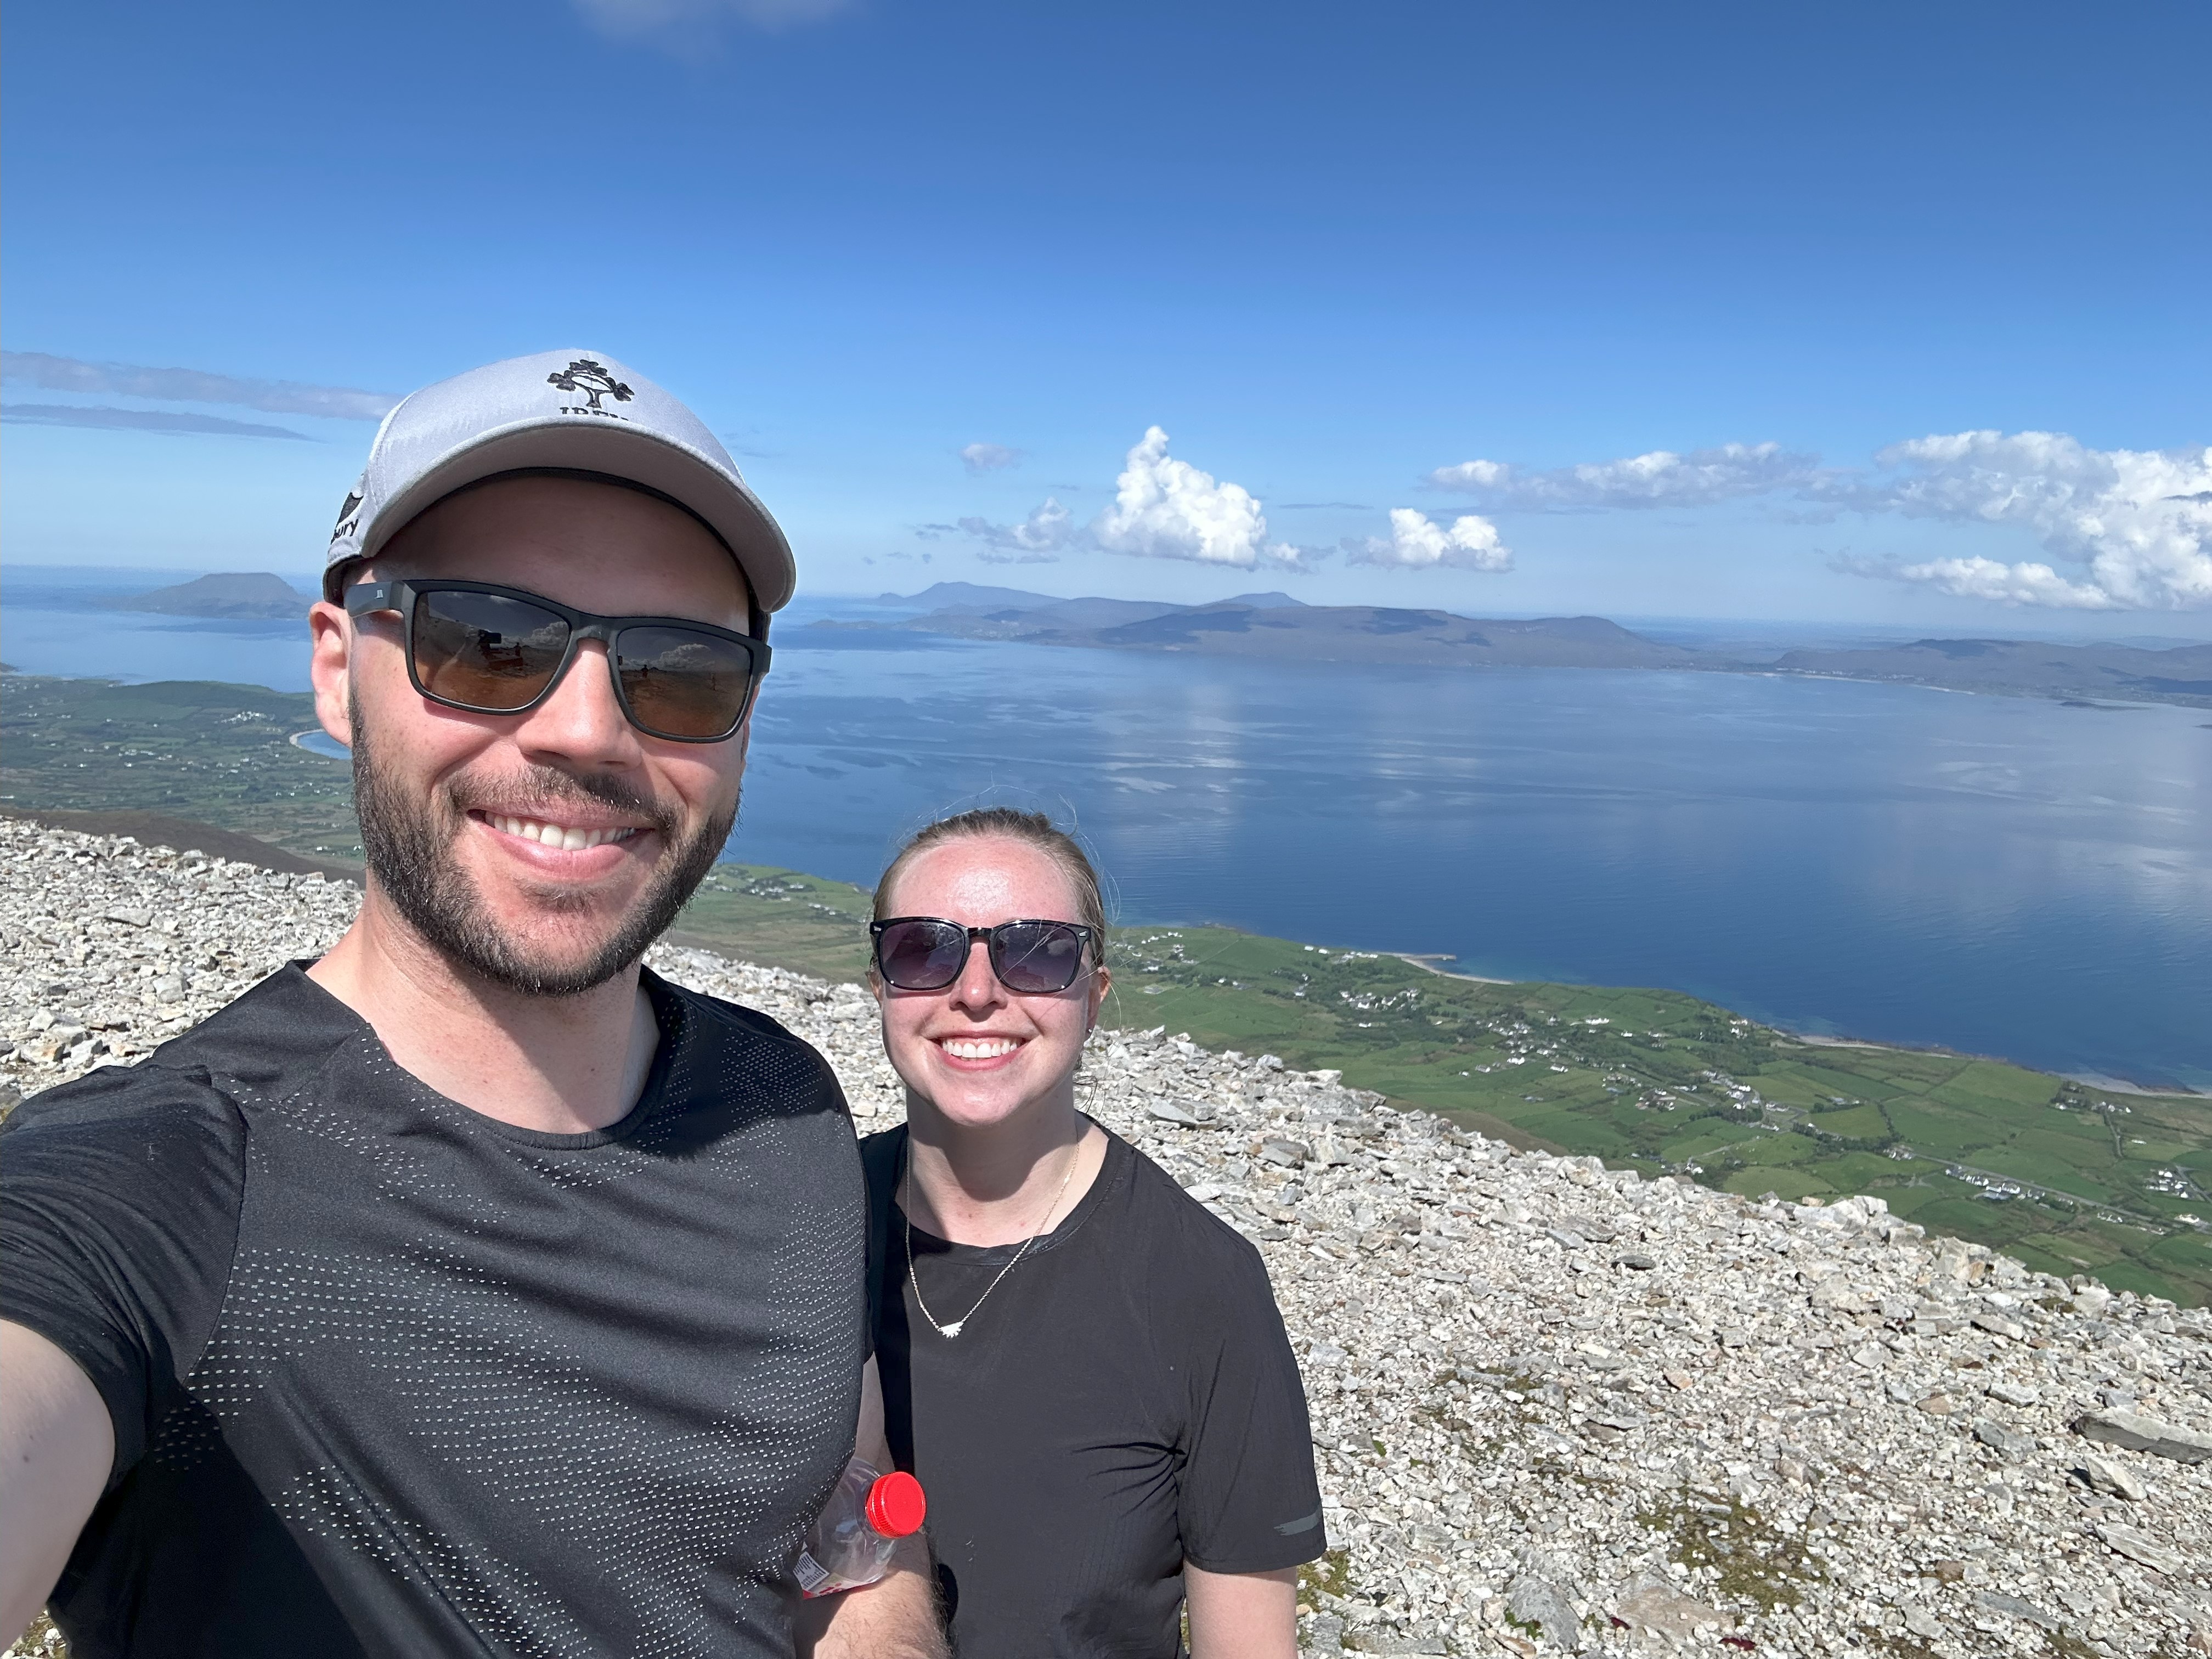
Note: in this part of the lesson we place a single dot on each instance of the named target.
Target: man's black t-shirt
(1125, 1400)
(388, 1376)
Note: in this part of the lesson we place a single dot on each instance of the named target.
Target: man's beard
(409, 844)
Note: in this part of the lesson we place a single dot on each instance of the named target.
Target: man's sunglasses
(501, 651)
(1031, 958)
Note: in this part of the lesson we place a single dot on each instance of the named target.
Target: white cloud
(1661, 478)
(989, 458)
(687, 20)
(193, 385)
(2015, 584)
(111, 419)
(2135, 525)
(2139, 521)
(1048, 531)
(1165, 508)
(1417, 542)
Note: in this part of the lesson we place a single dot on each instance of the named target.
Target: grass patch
(1755, 1561)
(41, 1641)
(1903, 1647)
(1330, 1576)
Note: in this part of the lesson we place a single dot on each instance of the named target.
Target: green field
(1648, 1078)
(187, 749)
(2100, 1183)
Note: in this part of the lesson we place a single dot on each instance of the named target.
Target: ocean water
(52, 622)
(2004, 876)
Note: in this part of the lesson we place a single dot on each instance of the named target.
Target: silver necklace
(907, 1212)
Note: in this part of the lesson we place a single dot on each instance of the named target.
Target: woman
(1086, 1370)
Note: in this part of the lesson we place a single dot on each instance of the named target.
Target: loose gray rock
(1536, 1603)
(1658, 1607)
(1998, 1437)
(2139, 1546)
(1998, 1601)
(2103, 1475)
(1428, 1641)
(2137, 1432)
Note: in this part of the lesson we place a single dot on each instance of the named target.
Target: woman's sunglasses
(1031, 958)
(501, 651)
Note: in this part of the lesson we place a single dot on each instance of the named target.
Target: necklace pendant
(953, 1329)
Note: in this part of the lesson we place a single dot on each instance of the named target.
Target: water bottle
(851, 1541)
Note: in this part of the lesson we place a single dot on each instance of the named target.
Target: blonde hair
(1032, 829)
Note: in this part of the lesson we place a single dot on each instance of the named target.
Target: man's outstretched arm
(896, 1617)
(1243, 1615)
(56, 1448)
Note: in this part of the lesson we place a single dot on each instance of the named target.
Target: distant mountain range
(1275, 625)
(240, 594)
(1278, 627)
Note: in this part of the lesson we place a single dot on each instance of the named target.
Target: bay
(2003, 876)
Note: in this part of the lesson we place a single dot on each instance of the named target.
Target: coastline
(1645, 1079)
(1427, 961)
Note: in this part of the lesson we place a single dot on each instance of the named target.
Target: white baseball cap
(569, 410)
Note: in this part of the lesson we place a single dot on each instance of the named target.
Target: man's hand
(896, 1617)
(56, 1448)
(1243, 1615)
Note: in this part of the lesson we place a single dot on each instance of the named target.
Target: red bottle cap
(896, 1506)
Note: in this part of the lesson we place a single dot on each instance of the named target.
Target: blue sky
(1460, 264)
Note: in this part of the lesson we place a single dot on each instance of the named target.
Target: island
(1278, 627)
(258, 596)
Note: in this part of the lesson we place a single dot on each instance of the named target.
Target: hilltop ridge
(1275, 626)
(1557, 1407)
(233, 594)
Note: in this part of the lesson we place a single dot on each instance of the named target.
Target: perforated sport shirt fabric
(388, 1376)
(1125, 1400)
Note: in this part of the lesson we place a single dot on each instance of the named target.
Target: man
(469, 1290)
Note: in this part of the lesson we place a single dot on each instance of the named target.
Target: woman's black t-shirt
(1124, 1402)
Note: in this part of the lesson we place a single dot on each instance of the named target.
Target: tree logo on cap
(590, 377)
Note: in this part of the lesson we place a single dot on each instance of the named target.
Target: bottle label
(815, 1579)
